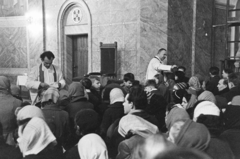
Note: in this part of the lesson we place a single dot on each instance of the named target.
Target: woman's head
(116, 95)
(76, 89)
(50, 96)
(34, 137)
(190, 134)
(181, 97)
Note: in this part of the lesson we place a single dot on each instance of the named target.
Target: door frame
(86, 29)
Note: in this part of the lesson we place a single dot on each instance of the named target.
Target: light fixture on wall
(34, 20)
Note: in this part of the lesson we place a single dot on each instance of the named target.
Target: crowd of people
(167, 116)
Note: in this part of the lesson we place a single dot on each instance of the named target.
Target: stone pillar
(189, 34)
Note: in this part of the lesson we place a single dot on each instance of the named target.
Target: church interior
(196, 33)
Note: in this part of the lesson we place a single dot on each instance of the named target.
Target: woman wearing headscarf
(115, 109)
(175, 114)
(36, 140)
(134, 129)
(78, 101)
(194, 88)
(90, 146)
(8, 105)
(162, 88)
(232, 126)
(189, 134)
(208, 114)
(57, 119)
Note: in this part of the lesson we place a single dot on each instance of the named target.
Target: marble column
(189, 34)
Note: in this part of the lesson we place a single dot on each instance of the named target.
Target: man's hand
(44, 85)
(174, 68)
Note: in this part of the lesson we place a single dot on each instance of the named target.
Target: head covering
(116, 95)
(178, 95)
(4, 84)
(136, 125)
(63, 94)
(236, 100)
(87, 120)
(194, 83)
(92, 146)
(208, 96)
(181, 85)
(206, 108)
(174, 115)
(76, 89)
(29, 111)
(193, 135)
(15, 90)
(34, 137)
(50, 94)
(180, 76)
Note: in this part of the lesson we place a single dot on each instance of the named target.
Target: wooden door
(80, 55)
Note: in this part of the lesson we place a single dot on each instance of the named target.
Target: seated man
(43, 76)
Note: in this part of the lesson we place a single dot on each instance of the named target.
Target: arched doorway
(74, 40)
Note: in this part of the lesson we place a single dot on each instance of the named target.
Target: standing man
(44, 75)
(156, 64)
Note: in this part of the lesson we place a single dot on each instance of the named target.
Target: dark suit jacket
(212, 85)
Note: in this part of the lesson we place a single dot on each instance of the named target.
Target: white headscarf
(206, 108)
(29, 111)
(116, 95)
(136, 125)
(92, 146)
(34, 137)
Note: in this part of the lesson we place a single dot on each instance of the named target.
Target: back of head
(151, 82)
(228, 71)
(138, 96)
(234, 78)
(116, 95)
(47, 54)
(214, 70)
(160, 78)
(180, 75)
(128, 77)
(15, 90)
(87, 120)
(34, 137)
(182, 153)
(92, 146)
(189, 136)
(24, 113)
(76, 89)
(152, 146)
(86, 82)
(50, 95)
(207, 96)
(4, 84)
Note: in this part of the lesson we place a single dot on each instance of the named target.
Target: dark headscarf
(76, 89)
(180, 75)
(4, 84)
(193, 135)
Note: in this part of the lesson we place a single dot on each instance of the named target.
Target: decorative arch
(62, 37)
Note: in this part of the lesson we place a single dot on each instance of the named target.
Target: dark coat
(114, 112)
(72, 153)
(212, 84)
(78, 104)
(218, 149)
(232, 137)
(58, 122)
(126, 147)
(232, 93)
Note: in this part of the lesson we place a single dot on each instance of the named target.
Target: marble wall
(13, 47)
(203, 49)
(180, 26)
(153, 32)
(189, 34)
